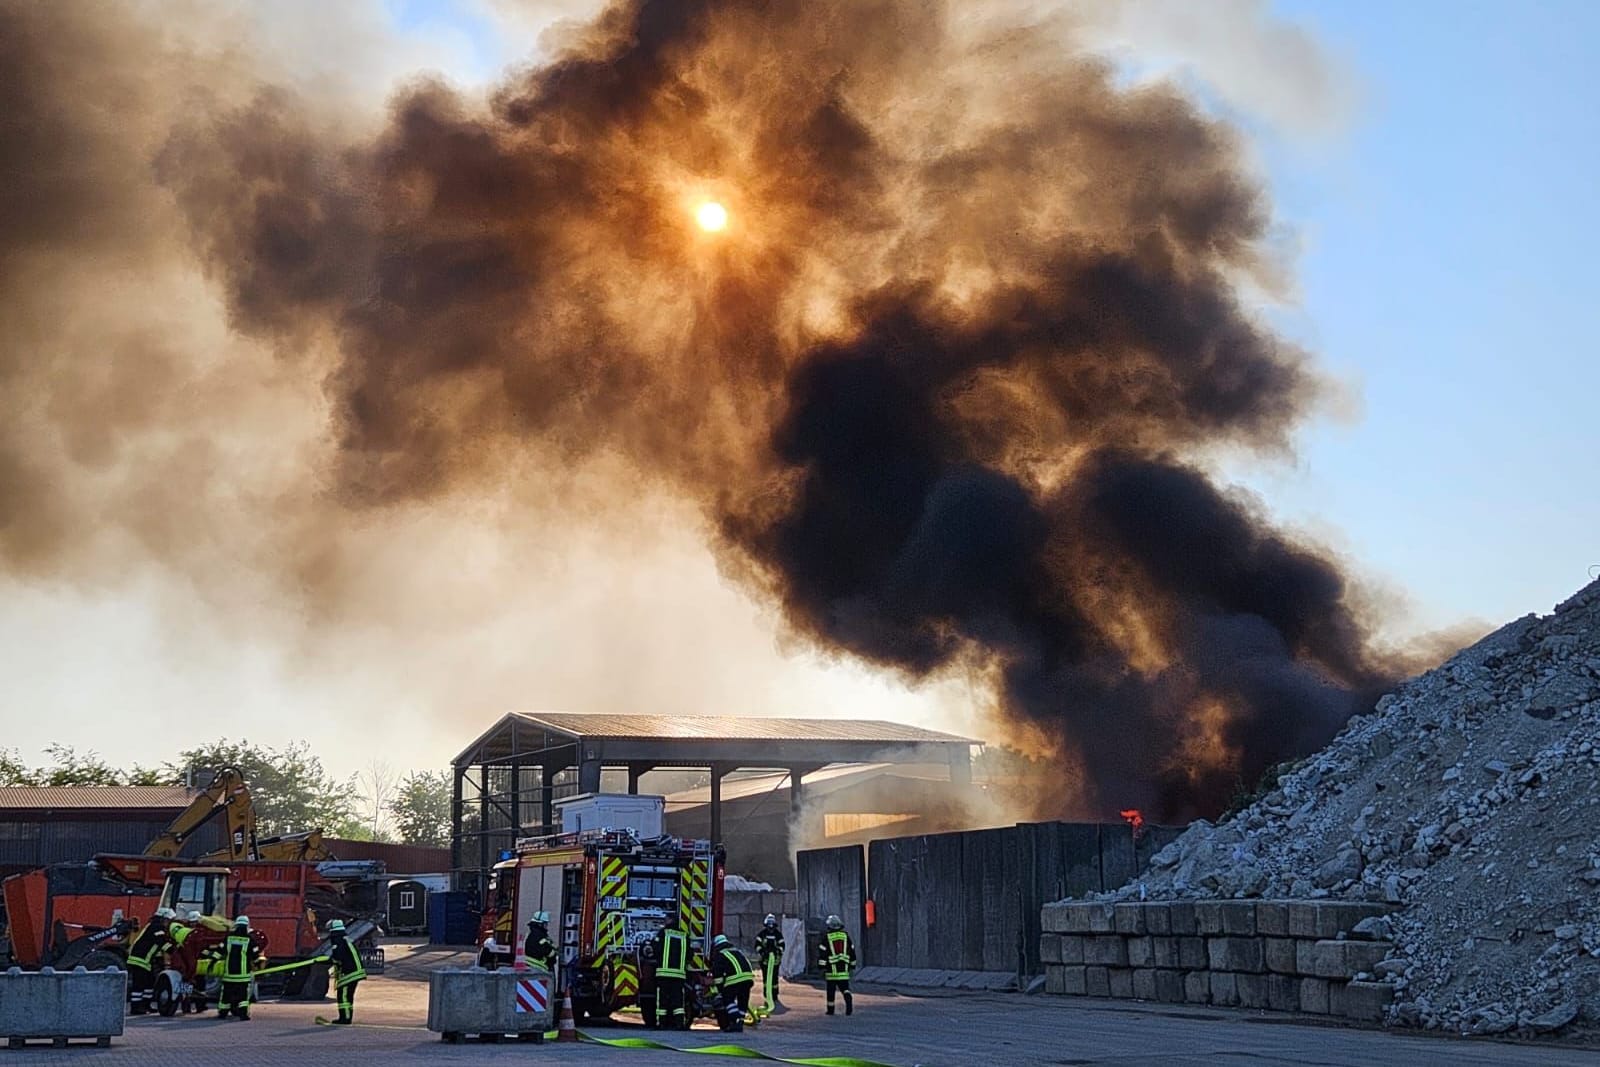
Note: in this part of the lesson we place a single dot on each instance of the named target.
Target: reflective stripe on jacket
(674, 955)
(236, 958)
(347, 962)
(840, 955)
(731, 969)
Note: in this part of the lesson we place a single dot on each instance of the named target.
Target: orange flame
(1135, 819)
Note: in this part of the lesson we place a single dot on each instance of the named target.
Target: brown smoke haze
(942, 395)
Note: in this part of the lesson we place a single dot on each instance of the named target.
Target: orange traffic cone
(566, 1030)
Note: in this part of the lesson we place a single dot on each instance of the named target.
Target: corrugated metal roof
(735, 728)
(92, 797)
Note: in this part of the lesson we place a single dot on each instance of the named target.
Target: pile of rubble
(1470, 802)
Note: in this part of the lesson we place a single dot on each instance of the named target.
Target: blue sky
(1449, 269)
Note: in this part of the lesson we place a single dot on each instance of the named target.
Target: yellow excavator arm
(226, 794)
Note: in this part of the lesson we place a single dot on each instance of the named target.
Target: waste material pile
(1470, 801)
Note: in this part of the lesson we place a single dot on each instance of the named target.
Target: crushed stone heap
(1470, 801)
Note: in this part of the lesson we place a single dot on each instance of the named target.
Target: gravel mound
(1470, 801)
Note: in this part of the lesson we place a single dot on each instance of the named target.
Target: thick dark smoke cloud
(945, 390)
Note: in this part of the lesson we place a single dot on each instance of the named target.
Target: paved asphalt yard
(947, 1031)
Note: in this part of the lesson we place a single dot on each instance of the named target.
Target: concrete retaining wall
(62, 1004)
(472, 1001)
(1279, 954)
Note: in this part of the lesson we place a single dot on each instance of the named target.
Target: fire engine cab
(608, 881)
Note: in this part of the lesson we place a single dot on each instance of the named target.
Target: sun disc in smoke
(711, 217)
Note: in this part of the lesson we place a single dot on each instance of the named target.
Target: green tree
(70, 767)
(13, 771)
(421, 808)
(289, 786)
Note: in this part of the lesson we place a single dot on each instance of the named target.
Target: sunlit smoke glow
(711, 217)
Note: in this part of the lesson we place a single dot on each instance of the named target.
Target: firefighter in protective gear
(731, 980)
(178, 932)
(769, 952)
(647, 982)
(539, 949)
(347, 971)
(672, 968)
(237, 953)
(838, 955)
(147, 947)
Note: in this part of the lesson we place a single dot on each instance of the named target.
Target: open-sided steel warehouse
(507, 781)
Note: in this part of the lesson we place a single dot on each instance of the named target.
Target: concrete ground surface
(932, 1031)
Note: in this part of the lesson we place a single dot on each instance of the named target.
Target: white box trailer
(644, 814)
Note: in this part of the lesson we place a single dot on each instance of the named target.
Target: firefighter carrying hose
(539, 949)
(672, 967)
(769, 951)
(347, 971)
(838, 955)
(237, 953)
(732, 980)
(149, 944)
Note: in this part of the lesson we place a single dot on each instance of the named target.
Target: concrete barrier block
(1106, 951)
(1335, 917)
(1224, 989)
(1242, 954)
(1050, 948)
(1120, 980)
(1164, 952)
(487, 1002)
(1252, 990)
(1314, 995)
(1158, 917)
(1073, 981)
(1076, 918)
(1180, 916)
(1169, 987)
(1053, 918)
(1141, 951)
(1192, 954)
(1363, 1001)
(1144, 983)
(1072, 948)
(1239, 918)
(1208, 917)
(1102, 918)
(1272, 918)
(1054, 979)
(1197, 987)
(1304, 918)
(1128, 918)
(1305, 957)
(1362, 956)
(1327, 959)
(62, 1004)
(1280, 955)
(1283, 992)
(1097, 982)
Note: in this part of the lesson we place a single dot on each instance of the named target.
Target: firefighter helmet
(770, 920)
(540, 917)
(336, 927)
(719, 940)
(835, 923)
(241, 920)
(193, 916)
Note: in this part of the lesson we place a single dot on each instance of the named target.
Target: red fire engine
(607, 892)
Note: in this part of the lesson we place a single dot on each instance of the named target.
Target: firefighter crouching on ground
(237, 957)
(347, 971)
(147, 946)
(539, 949)
(769, 951)
(838, 960)
(731, 979)
(672, 967)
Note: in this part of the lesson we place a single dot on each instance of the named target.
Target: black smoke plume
(945, 390)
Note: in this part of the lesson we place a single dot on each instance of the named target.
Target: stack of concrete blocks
(742, 912)
(1283, 955)
(61, 1005)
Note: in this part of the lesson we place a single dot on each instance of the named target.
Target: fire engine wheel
(166, 998)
